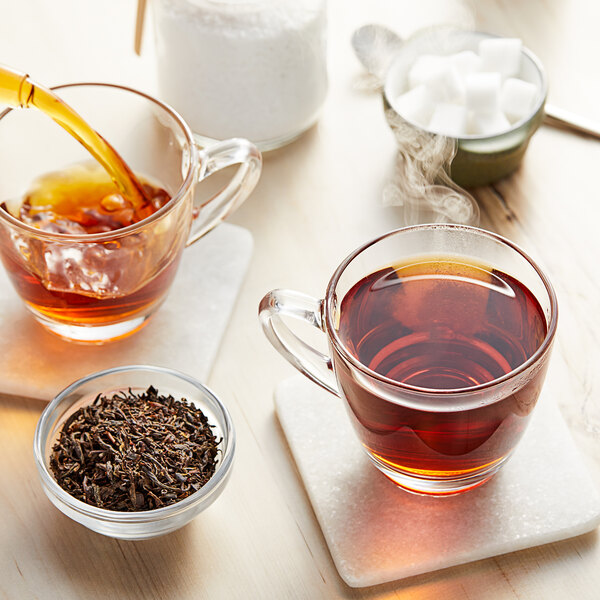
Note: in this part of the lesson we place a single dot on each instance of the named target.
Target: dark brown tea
(438, 324)
(134, 450)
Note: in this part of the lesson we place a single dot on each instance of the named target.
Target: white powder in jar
(243, 68)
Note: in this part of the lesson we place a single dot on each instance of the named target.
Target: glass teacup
(103, 286)
(439, 339)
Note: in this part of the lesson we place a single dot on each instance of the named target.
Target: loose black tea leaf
(132, 452)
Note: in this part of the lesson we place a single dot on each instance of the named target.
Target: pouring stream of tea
(19, 91)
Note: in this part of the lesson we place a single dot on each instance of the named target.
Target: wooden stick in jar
(139, 26)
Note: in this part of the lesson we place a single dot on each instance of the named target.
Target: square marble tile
(377, 532)
(184, 333)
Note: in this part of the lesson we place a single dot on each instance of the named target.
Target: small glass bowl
(143, 524)
(479, 159)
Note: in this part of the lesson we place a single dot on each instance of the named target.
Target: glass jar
(243, 68)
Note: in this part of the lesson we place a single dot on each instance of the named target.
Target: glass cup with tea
(90, 265)
(439, 339)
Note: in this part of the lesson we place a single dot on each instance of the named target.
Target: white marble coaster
(184, 333)
(378, 533)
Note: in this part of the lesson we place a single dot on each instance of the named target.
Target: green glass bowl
(479, 159)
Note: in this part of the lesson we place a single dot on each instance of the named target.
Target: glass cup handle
(214, 158)
(309, 361)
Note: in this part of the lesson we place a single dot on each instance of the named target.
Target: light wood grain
(317, 200)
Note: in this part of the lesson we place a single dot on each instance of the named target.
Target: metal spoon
(375, 46)
(564, 119)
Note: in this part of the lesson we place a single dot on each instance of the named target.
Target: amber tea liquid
(440, 324)
(81, 200)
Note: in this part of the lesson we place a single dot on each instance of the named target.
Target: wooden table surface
(316, 201)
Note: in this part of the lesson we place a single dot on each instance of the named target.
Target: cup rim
(537, 63)
(332, 333)
(118, 233)
(57, 493)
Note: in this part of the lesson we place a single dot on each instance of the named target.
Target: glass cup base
(437, 487)
(95, 334)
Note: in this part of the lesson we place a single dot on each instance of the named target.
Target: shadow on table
(98, 566)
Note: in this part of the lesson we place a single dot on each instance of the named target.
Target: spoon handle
(558, 117)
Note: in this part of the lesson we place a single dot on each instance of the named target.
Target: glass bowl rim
(525, 51)
(134, 517)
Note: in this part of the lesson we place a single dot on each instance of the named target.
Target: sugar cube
(466, 62)
(423, 68)
(449, 119)
(517, 99)
(502, 55)
(468, 93)
(482, 92)
(444, 83)
(416, 105)
(489, 123)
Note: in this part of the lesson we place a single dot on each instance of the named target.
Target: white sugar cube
(449, 119)
(517, 99)
(466, 62)
(444, 84)
(416, 105)
(488, 123)
(502, 55)
(423, 68)
(482, 92)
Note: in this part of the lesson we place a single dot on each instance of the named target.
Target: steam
(420, 183)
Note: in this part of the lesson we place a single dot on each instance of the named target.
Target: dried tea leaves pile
(133, 452)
